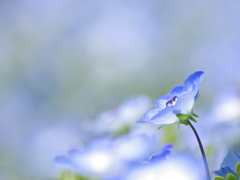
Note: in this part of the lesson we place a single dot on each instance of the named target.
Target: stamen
(172, 101)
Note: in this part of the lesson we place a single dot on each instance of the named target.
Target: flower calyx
(184, 118)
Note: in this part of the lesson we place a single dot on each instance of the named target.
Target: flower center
(172, 101)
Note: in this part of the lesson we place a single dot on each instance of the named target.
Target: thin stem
(202, 151)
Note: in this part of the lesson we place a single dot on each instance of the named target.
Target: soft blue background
(64, 61)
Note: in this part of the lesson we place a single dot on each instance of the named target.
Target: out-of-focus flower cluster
(64, 62)
(119, 149)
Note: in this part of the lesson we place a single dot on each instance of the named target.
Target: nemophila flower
(230, 167)
(177, 106)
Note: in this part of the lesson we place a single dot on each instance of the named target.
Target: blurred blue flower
(121, 117)
(179, 101)
(228, 165)
(162, 153)
(107, 157)
(154, 160)
(177, 167)
(226, 105)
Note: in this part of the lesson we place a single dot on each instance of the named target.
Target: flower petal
(223, 172)
(176, 91)
(148, 115)
(193, 79)
(161, 154)
(185, 102)
(230, 160)
(161, 102)
(180, 100)
(164, 117)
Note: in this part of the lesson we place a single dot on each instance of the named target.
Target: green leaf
(219, 178)
(192, 119)
(237, 169)
(124, 130)
(195, 115)
(231, 177)
(67, 175)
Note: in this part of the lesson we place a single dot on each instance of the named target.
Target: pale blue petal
(73, 152)
(134, 147)
(193, 79)
(185, 102)
(63, 160)
(153, 116)
(68, 159)
(161, 154)
(148, 115)
(186, 96)
(176, 91)
(238, 155)
(164, 117)
(161, 102)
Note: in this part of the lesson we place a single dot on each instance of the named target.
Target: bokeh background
(63, 63)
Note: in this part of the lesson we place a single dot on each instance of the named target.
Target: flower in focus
(177, 106)
(230, 167)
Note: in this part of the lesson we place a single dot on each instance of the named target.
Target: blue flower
(107, 157)
(150, 164)
(228, 165)
(179, 166)
(179, 101)
(161, 154)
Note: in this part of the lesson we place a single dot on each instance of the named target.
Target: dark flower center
(172, 101)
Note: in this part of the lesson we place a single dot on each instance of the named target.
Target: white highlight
(228, 110)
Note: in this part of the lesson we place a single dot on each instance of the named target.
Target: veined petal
(176, 91)
(161, 102)
(193, 79)
(153, 116)
(185, 102)
(164, 117)
(180, 100)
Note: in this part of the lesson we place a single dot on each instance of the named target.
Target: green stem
(202, 151)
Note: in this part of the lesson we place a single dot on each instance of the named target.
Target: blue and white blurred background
(68, 66)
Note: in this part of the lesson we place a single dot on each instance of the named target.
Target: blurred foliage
(67, 175)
